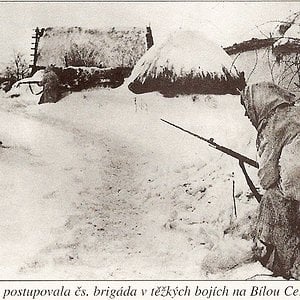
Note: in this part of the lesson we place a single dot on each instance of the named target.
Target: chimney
(149, 37)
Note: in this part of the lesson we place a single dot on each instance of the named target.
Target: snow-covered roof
(184, 54)
(288, 34)
(287, 45)
(102, 47)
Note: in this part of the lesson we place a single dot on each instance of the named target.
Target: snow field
(126, 195)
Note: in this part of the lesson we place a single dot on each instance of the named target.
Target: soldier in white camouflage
(273, 112)
(51, 86)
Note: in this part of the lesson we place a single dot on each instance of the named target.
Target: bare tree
(17, 68)
(286, 50)
(281, 52)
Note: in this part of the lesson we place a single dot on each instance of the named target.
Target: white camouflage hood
(262, 98)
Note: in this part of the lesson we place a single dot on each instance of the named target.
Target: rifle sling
(31, 90)
(253, 189)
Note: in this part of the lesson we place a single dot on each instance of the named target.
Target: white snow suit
(51, 85)
(273, 112)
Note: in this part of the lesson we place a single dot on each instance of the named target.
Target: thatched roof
(249, 45)
(286, 46)
(186, 63)
(103, 47)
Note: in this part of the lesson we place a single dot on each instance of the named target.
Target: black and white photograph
(150, 140)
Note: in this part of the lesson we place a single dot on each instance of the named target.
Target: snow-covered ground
(97, 187)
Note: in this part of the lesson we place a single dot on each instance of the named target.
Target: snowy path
(52, 177)
(75, 202)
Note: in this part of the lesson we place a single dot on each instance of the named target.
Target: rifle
(29, 83)
(241, 158)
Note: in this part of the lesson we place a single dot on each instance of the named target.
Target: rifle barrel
(29, 82)
(187, 131)
(223, 149)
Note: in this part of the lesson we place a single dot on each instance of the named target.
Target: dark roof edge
(250, 45)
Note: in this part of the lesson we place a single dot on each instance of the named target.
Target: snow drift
(26, 93)
(186, 63)
(105, 168)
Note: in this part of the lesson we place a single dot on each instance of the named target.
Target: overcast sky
(225, 23)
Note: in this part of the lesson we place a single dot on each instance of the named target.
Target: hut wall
(79, 78)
